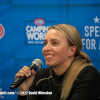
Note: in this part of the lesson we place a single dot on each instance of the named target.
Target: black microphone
(36, 64)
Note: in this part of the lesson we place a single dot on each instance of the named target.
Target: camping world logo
(35, 31)
(1, 31)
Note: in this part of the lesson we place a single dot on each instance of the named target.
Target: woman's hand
(30, 74)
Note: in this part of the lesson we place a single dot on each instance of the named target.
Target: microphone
(36, 64)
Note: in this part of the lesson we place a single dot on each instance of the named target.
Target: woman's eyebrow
(45, 39)
(52, 40)
(55, 40)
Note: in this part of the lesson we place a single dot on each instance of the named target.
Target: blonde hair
(81, 59)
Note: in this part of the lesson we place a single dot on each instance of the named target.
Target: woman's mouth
(49, 56)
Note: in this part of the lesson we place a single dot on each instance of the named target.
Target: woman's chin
(48, 64)
(51, 65)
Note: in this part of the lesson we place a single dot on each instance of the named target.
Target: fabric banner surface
(23, 26)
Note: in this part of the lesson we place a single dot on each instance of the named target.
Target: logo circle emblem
(39, 21)
(1, 31)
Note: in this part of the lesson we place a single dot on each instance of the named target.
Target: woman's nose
(47, 47)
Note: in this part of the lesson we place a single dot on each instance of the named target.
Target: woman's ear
(72, 50)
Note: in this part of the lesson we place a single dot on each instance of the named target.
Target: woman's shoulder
(89, 72)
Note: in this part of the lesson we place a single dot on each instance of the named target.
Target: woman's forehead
(55, 33)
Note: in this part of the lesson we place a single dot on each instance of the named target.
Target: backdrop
(23, 26)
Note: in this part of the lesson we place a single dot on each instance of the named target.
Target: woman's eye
(45, 43)
(55, 43)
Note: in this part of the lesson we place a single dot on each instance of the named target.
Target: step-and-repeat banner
(23, 26)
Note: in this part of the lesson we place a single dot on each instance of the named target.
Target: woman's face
(56, 50)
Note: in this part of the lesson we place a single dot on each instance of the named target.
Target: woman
(71, 75)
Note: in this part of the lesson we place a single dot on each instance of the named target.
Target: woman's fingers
(25, 71)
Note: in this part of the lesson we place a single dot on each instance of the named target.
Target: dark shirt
(85, 87)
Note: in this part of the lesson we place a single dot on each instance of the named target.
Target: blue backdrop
(24, 23)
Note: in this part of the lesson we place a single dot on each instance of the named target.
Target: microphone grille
(38, 62)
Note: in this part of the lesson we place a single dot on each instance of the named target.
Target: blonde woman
(71, 75)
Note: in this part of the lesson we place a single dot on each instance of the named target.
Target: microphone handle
(19, 80)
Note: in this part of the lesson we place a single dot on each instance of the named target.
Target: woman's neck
(60, 69)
